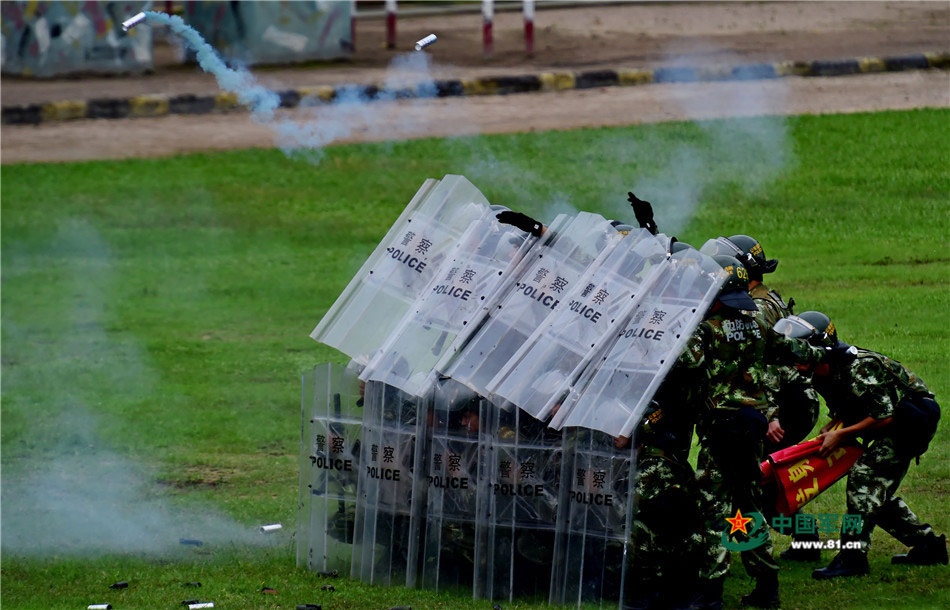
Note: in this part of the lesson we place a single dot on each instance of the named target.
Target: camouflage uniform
(791, 397)
(665, 493)
(730, 350)
(872, 386)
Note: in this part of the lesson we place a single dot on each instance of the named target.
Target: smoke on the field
(66, 490)
(354, 111)
(742, 154)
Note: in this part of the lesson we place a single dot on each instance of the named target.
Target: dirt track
(613, 36)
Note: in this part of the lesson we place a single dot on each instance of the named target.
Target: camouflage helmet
(812, 326)
(735, 291)
(748, 251)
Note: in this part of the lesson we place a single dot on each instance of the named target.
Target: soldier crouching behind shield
(663, 563)
(728, 355)
(890, 408)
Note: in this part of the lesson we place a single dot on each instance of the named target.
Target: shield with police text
(331, 426)
(456, 448)
(549, 273)
(517, 522)
(390, 498)
(538, 375)
(451, 306)
(594, 516)
(615, 389)
(404, 262)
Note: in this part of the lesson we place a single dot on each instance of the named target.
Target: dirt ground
(592, 36)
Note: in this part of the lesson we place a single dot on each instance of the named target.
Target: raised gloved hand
(643, 211)
(521, 221)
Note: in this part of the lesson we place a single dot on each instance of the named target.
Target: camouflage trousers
(663, 534)
(728, 482)
(872, 483)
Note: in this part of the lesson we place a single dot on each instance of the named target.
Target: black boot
(765, 594)
(845, 563)
(931, 552)
(803, 553)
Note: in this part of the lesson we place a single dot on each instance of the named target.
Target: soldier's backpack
(915, 424)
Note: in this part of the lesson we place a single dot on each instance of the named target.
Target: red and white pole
(390, 24)
(488, 13)
(353, 26)
(529, 27)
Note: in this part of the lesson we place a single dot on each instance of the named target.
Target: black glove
(841, 354)
(521, 221)
(643, 211)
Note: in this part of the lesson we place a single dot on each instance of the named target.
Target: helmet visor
(794, 327)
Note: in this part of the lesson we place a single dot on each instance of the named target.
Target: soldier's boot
(765, 593)
(803, 553)
(708, 595)
(845, 563)
(930, 552)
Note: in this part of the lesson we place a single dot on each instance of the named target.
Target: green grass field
(155, 321)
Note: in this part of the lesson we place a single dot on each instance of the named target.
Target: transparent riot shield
(554, 356)
(451, 306)
(457, 449)
(516, 524)
(594, 516)
(616, 388)
(403, 263)
(390, 497)
(329, 466)
(549, 273)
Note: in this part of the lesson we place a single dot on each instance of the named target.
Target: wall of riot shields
(470, 444)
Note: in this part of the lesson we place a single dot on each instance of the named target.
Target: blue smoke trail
(349, 112)
(262, 101)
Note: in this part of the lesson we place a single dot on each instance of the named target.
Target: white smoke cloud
(65, 490)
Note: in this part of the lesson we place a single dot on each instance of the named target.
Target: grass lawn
(156, 313)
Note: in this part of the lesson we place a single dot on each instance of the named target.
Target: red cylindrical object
(391, 30)
(529, 37)
(800, 474)
(487, 41)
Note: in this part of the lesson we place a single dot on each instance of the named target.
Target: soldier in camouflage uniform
(871, 395)
(663, 562)
(793, 402)
(729, 352)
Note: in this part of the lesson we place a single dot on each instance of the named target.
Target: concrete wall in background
(57, 38)
(274, 32)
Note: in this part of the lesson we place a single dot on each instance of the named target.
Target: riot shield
(457, 448)
(594, 516)
(550, 271)
(329, 466)
(403, 263)
(516, 524)
(556, 353)
(390, 497)
(616, 388)
(451, 306)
